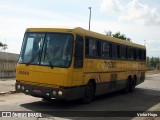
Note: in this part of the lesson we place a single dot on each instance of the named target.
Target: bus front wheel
(89, 93)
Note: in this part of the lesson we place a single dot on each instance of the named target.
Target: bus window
(114, 50)
(143, 54)
(49, 49)
(126, 52)
(78, 57)
(118, 51)
(135, 54)
(105, 49)
(98, 48)
(130, 53)
(110, 50)
(31, 48)
(140, 54)
(122, 52)
(92, 47)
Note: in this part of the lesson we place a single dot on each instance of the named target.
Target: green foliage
(153, 62)
(109, 33)
(118, 35)
(3, 46)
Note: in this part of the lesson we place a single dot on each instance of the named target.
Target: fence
(8, 63)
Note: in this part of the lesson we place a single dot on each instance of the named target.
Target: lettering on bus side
(110, 64)
(24, 72)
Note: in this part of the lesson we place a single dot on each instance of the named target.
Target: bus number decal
(23, 72)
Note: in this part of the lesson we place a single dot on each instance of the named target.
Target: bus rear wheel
(127, 89)
(89, 93)
(133, 84)
(130, 85)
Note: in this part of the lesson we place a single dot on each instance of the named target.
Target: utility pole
(90, 17)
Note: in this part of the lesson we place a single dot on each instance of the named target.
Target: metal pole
(90, 17)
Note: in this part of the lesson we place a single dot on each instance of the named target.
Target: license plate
(37, 91)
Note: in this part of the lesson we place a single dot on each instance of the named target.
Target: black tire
(132, 85)
(128, 86)
(89, 93)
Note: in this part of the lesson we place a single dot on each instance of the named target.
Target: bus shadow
(62, 104)
(139, 100)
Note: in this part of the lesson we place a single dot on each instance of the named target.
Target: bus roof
(87, 33)
(107, 38)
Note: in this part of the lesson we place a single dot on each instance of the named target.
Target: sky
(137, 19)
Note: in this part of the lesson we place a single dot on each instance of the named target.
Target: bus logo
(110, 64)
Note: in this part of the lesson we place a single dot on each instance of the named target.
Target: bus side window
(98, 48)
(126, 52)
(118, 51)
(122, 52)
(78, 56)
(135, 54)
(105, 49)
(140, 54)
(92, 47)
(110, 50)
(144, 55)
(114, 50)
(130, 53)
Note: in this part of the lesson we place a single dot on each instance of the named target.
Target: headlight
(18, 87)
(54, 92)
(22, 88)
(60, 93)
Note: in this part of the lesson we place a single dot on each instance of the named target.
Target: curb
(8, 92)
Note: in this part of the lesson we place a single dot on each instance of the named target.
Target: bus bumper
(65, 93)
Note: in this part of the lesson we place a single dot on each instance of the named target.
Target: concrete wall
(8, 62)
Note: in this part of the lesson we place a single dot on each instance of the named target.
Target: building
(8, 63)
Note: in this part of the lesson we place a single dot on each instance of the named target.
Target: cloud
(133, 12)
(141, 14)
(138, 34)
(110, 6)
(15, 21)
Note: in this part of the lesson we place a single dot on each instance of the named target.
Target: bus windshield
(48, 49)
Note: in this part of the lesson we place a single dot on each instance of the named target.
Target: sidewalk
(7, 85)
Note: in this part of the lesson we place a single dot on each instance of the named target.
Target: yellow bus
(68, 64)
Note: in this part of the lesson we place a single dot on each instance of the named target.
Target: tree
(118, 35)
(3, 46)
(108, 33)
(154, 62)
